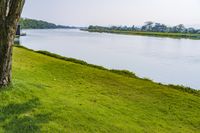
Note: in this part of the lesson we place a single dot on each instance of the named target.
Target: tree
(133, 27)
(148, 26)
(179, 28)
(191, 30)
(149, 23)
(10, 12)
(159, 28)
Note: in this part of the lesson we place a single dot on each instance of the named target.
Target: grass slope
(155, 34)
(53, 95)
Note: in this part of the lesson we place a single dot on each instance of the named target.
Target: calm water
(170, 61)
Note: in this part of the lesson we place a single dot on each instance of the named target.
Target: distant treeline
(149, 27)
(39, 24)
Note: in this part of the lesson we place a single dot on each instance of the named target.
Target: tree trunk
(6, 42)
(10, 11)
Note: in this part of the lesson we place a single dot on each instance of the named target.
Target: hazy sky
(114, 12)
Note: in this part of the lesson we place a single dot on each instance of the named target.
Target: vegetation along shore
(27, 23)
(150, 29)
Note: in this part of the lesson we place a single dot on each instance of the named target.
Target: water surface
(166, 60)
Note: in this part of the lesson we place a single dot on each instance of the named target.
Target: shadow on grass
(17, 118)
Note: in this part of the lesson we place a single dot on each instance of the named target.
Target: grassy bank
(66, 95)
(155, 34)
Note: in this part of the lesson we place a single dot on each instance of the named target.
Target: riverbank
(155, 34)
(66, 95)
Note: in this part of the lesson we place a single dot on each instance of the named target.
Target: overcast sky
(114, 12)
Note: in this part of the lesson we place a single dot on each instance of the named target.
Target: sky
(114, 12)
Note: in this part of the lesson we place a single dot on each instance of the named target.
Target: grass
(60, 95)
(155, 34)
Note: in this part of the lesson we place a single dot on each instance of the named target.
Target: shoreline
(119, 72)
(150, 34)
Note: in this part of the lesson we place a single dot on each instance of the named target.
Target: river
(165, 60)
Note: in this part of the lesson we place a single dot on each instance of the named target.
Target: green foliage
(142, 33)
(125, 73)
(38, 24)
(185, 89)
(55, 95)
(149, 27)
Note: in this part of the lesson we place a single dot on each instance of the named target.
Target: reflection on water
(174, 61)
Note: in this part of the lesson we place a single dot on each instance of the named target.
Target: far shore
(154, 34)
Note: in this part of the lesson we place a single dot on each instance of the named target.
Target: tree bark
(6, 42)
(10, 11)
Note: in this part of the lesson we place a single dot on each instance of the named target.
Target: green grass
(155, 34)
(55, 95)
